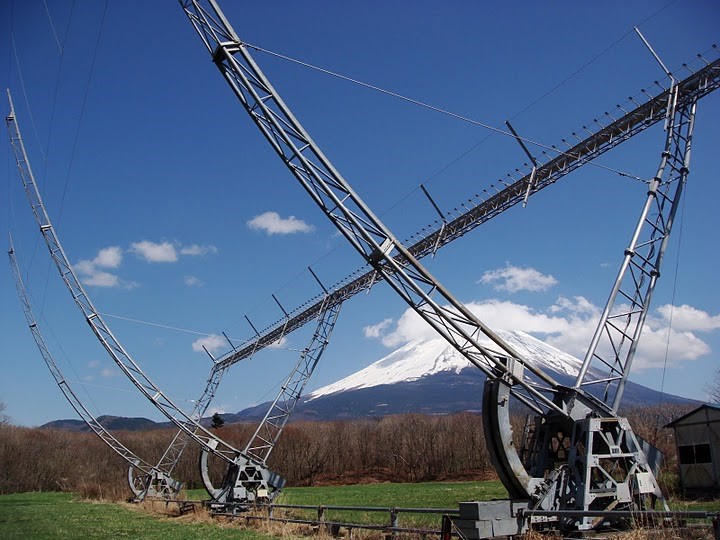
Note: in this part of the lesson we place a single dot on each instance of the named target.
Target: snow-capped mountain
(429, 376)
(425, 376)
(424, 358)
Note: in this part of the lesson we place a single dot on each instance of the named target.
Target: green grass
(692, 505)
(445, 495)
(63, 516)
(425, 495)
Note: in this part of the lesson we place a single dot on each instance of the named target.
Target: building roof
(706, 406)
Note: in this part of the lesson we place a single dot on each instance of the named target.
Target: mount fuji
(426, 376)
(429, 376)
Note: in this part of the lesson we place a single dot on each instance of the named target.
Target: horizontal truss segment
(645, 115)
(366, 233)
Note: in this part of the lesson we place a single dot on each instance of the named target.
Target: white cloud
(90, 273)
(99, 278)
(514, 279)
(569, 325)
(192, 281)
(279, 344)
(109, 372)
(689, 318)
(272, 223)
(94, 271)
(196, 250)
(211, 343)
(155, 252)
(161, 252)
(376, 330)
(109, 257)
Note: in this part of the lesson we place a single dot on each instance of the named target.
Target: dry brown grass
(640, 533)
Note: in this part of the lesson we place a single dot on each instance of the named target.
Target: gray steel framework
(248, 479)
(251, 480)
(565, 411)
(191, 428)
(643, 116)
(266, 435)
(152, 481)
(614, 343)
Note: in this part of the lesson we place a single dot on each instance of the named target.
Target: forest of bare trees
(402, 448)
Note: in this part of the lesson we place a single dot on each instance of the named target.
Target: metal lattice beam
(268, 432)
(615, 341)
(644, 116)
(354, 219)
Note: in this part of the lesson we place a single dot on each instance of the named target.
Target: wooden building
(697, 438)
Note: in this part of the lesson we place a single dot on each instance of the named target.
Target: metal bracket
(531, 181)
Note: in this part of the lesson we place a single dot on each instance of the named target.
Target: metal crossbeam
(645, 115)
(361, 228)
(268, 432)
(367, 234)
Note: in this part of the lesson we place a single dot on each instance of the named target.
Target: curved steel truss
(567, 412)
(152, 481)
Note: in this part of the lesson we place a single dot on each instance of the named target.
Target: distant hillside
(430, 377)
(424, 376)
(111, 423)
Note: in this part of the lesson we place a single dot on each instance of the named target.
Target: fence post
(446, 528)
(394, 518)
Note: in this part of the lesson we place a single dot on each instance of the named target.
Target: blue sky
(175, 210)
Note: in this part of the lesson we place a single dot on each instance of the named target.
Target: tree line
(401, 448)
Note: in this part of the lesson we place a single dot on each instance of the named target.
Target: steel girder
(562, 409)
(615, 341)
(251, 481)
(694, 87)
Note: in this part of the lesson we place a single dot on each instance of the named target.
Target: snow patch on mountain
(425, 357)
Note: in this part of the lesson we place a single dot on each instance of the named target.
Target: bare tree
(713, 388)
(4, 419)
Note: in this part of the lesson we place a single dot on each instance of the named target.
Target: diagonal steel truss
(237, 487)
(697, 85)
(645, 115)
(615, 341)
(566, 412)
(363, 230)
(213, 29)
(268, 432)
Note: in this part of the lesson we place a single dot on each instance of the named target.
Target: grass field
(64, 516)
(427, 495)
